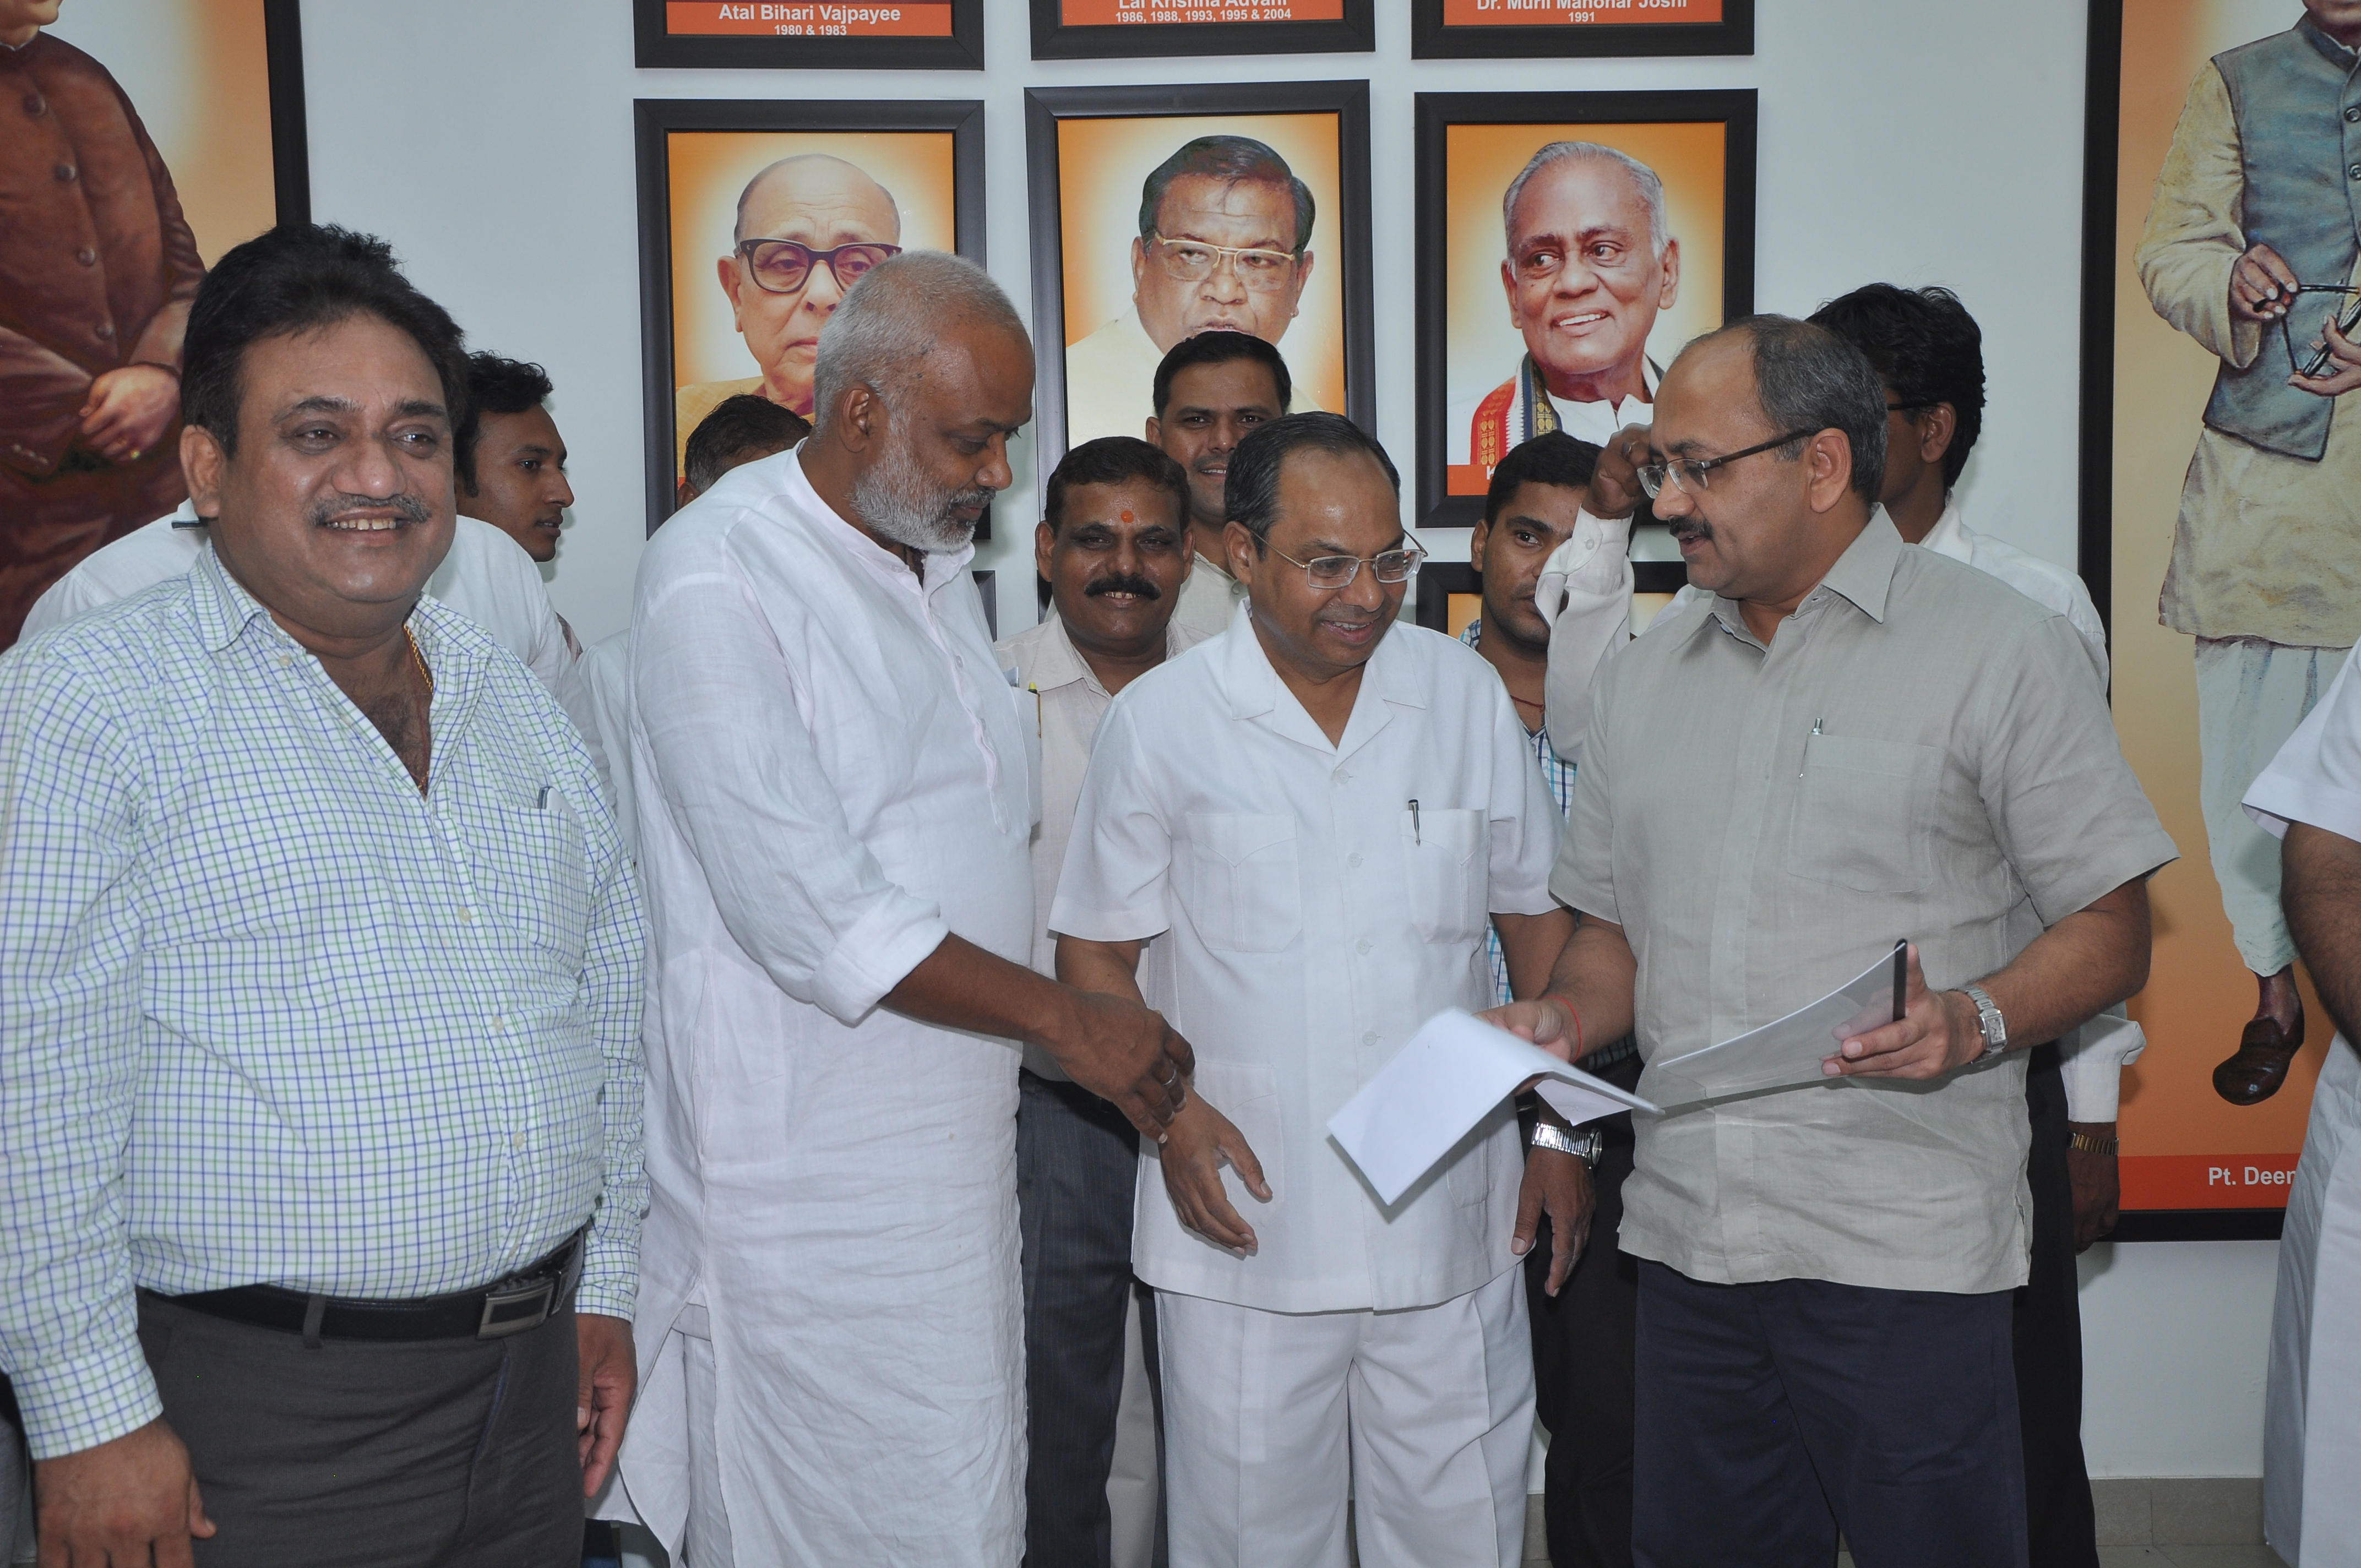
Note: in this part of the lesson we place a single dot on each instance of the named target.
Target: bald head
(820, 200)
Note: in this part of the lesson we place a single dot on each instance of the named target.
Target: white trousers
(2311, 1411)
(2251, 695)
(1420, 1420)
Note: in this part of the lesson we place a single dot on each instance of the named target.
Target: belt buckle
(516, 1311)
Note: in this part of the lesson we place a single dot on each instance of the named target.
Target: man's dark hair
(1926, 347)
(1555, 458)
(495, 386)
(1111, 460)
(1235, 161)
(300, 277)
(745, 421)
(1806, 377)
(1250, 495)
(1221, 348)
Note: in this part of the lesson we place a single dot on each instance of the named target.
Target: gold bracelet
(2090, 1143)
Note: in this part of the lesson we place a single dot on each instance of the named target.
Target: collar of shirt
(1951, 536)
(942, 567)
(1862, 576)
(2338, 55)
(1058, 663)
(1597, 420)
(1254, 691)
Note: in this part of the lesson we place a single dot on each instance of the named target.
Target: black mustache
(1122, 583)
(323, 512)
(1692, 528)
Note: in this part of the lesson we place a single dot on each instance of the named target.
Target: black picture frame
(1432, 38)
(1355, 33)
(290, 147)
(1047, 107)
(1734, 108)
(653, 47)
(655, 120)
(1437, 581)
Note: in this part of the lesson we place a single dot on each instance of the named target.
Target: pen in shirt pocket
(1807, 747)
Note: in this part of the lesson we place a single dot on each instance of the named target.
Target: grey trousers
(459, 1453)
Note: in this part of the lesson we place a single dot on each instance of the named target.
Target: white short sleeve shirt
(1312, 919)
(2316, 777)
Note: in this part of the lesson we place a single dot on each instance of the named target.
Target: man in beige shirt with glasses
(1846, 743)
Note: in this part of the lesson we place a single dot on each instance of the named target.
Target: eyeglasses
(1689, 473)
(1193, 261)
(2320, 361)
(1329, 572)
(783, 267)
(1913, 406)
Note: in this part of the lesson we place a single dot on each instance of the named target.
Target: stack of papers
(1783, 1053)
(1451, 1075)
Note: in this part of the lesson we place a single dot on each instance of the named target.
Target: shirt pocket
(1865, 813)
(1247, 898)
(1249, 1096)
(1448, 854)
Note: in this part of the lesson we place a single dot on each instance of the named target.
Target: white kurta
(2312, 1409)
(830, 778)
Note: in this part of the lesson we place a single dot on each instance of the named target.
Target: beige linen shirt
(1921, 753)
(1067, 701)
(2266, 545)
(1209, 598)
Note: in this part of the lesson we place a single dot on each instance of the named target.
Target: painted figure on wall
(97, 270)
(808, 226)
(2250, 247)
(1591, 264)
(1224, 246)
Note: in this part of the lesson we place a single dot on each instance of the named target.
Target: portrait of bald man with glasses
(1224, 245)
(808, 228)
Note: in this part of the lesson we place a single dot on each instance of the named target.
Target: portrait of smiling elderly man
(1224, 245)
(1590, 265)
(808, 226)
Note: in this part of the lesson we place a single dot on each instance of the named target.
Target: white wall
(1918, 144)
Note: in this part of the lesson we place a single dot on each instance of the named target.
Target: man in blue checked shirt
(1581, 1300)
(320, 1082)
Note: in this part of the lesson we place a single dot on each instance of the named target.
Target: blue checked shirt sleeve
(611, 981)
(69, 1021)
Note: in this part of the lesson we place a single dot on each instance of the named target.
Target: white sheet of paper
(1447, 1079)
(1782, 1054)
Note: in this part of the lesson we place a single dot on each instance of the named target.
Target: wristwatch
(2090, 1143)
(1586, 1145)
(1996, 1027)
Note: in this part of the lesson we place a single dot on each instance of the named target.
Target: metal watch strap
(1996, 1027)
(1586, 1145)
(2090, 1143)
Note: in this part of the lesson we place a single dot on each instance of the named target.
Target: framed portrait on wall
(2217, 510)
(755, 216)
(1111, 30)
(1568, 245)
(145, 138)
(809, 35)
(1520, 29)
(1159, 212)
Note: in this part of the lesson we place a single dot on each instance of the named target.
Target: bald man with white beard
(835, 222)
(835, 822)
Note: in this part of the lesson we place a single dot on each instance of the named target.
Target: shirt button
(87, 257)
(498, 1024)
(1343, 777)
(2353, 115)
(104, 329)
(466, 916)
(2355, 173)
(1370, 1038)
(1352, 860)
(64, 172)
(36, 105)
(1360, 946)
(518, 1142)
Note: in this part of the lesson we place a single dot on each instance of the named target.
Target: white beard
(895, 496)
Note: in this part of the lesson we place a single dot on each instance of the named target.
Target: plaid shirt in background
(1559, 776)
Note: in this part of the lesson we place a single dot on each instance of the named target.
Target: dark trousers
(1770, 1416)
(2061, 1529)
(1077, 1160)
(1582, 1367)
(457, 1454)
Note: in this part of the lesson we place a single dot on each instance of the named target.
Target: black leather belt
(521, 1301)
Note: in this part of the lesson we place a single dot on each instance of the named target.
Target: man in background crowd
(834, 828)
(742, 428)
(514, 474)
(808, 226)
(1590, 265)
(1808, 1348)
(321, 978)
(97, 268)
(1581, 1292)
(1245, 813)
(1224, 246)
(2250, 247)
(1114, 547)
(1209, 391)
(2310, 797)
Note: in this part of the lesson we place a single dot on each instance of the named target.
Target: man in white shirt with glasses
(1317, 815)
